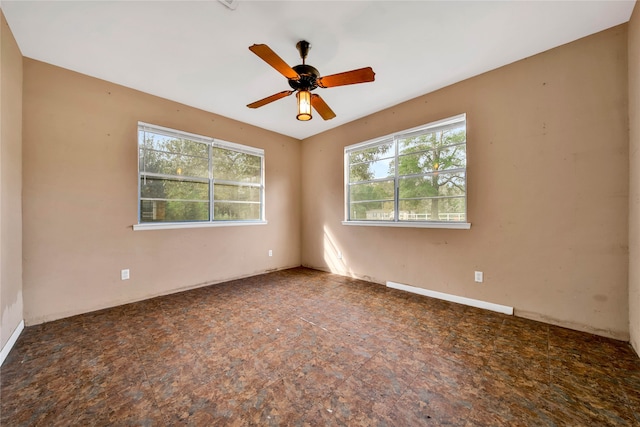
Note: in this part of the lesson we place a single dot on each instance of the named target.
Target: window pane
(371, 170)
(231, 165)
(174, 164)
(373, 153)
(433, 185)
(173, 211)
(452, 184)
(433, 160)
(436, 138)
(372, 191)
(236, 211)
(173, 189)
(434, 209)
(159, 142)
(236, 192)
(371, 211)
(422, 186)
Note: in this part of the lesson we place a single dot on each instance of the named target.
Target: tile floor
(302, 347)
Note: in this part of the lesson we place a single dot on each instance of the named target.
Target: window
(186, 178)
(412, 178)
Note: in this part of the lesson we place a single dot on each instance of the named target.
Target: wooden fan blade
(361, 75)
(271, 58)
(321, 107)
(269, 99)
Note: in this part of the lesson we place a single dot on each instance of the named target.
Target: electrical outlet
(124, 274)
(270, 252)
(479, 277)
(339, 254)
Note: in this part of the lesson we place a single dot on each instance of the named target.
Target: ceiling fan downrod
(303, 47)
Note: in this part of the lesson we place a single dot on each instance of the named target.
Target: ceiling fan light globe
(304, 105)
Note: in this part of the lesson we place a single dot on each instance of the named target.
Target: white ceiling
(196, 52)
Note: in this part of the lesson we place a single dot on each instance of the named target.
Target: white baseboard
(12, 340)
(453, 298)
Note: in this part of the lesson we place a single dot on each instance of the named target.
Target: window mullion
(174, 177)
(347, 184)
(262, 190)
(211, 186)
(396, 202)
(144, 170)
(369, 181)
(434, 172)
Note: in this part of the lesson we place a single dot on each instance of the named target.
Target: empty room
(310, 213)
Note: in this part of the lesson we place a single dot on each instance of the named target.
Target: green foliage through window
(415, 175)
(191, 178)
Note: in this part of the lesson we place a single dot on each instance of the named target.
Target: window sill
(408, 224)
(173, 225)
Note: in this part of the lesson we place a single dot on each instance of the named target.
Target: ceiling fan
(304, 78)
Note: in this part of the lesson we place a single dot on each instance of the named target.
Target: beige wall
(10, 184)
(547, 191)
(634, 186)
(80, 199)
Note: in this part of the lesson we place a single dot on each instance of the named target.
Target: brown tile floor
(301, 347)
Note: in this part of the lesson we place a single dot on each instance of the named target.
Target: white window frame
(211, 143)
(396, 221)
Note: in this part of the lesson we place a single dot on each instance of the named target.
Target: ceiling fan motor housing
(308, 78)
